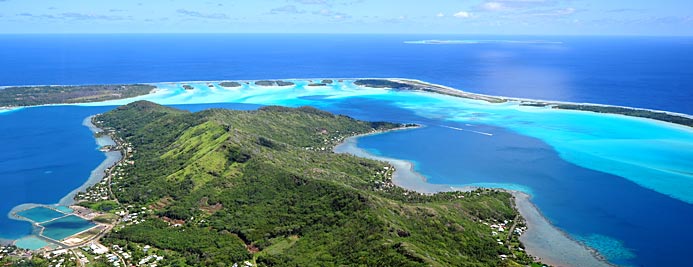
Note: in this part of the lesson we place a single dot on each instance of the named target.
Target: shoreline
(441, 89)
(536, 101)
(542, 240)
(96, 176)
(98, 173)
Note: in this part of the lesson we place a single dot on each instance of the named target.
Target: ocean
(647, 72)
(620, 185)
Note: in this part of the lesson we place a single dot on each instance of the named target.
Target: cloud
(462, 14)
(84, 16)
(623, 10)
(559, 12)
(332, 14)
(42, 16)
(71, 15)
(440, 15)
(197, 14)
(505, 5)
(312, 2)
(493, 6)
(288, 9)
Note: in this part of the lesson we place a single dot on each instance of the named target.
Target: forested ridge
(224, 186)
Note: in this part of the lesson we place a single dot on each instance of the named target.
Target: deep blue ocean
(642, 72)
(46, 152)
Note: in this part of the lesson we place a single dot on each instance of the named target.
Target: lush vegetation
(224, 186)
(273, 83)
(634, 112)
(655, 115)
(382, 83)
(230, 84)
(42, 95)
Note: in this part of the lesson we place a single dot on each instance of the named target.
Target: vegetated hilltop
(224, 186)
(43, 95)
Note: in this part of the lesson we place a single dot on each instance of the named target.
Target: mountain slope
(227, 186)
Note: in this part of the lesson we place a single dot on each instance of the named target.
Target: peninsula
(414, 85)
(264, 188)
(45, 95)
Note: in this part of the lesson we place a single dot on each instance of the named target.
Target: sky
(494, 17)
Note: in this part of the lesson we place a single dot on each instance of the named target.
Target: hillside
(223, 186)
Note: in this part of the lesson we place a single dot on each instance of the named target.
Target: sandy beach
(541, 240)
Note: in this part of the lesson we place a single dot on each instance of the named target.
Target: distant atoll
(273, 83)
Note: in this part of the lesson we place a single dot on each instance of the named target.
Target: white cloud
(440, 15)
(288, 9)
(493, 6)
(504, 5)
(553, 12)
(462, 14)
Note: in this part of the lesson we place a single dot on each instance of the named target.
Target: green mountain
(224, 186)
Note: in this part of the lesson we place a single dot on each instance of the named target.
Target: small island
(273, 83)
(21, 96)
(188, 87)
(317, 84)
(230, 84)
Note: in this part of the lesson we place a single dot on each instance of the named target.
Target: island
(230, 84)
(264, 188)
(414, 85)
(317, 84)
(188, 87)
(21, 96)
(273, 83)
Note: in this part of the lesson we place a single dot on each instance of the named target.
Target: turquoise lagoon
(622, 185)
(40, 214)
(31, 242)
(62, 228)
(653, 154)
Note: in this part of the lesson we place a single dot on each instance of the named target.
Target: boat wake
(466, 130)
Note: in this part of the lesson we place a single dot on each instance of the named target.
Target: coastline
(97, 175)
(418, 182)
(542, 240)
(112, 158)
(550, 104)
(423, 86)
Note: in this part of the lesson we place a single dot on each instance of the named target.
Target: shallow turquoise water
(64, 209)
(40, 214)
(652, 154)
(31, 242)
(593, 175)
(64, 227)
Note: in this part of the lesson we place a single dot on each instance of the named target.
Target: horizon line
(326, 33)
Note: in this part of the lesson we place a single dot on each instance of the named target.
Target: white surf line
(466, 130)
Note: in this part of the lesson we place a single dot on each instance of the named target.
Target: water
(31, 242)
(46, 153)
(582, 201)
(649, 72)
(62, 228)
(620, 185)
(40, 214)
